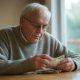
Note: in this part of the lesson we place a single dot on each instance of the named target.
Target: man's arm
(74, 62)
(7, 64)
(14, 66)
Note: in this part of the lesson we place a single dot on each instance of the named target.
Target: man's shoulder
(8, 29)
(48, 35)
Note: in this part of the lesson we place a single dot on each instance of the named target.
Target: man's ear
(21, 20)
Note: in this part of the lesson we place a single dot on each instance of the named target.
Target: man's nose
(40, 29)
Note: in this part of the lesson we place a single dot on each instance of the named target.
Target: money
(56, 61)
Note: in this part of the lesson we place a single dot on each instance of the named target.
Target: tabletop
(60, 76)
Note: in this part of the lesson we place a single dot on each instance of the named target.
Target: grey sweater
(16, 53)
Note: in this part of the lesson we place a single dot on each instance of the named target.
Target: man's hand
(66, 65)
(41, 61)
(44, 61)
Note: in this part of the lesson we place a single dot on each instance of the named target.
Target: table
(60, 76)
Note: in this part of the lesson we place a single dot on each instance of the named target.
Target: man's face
(34, 27)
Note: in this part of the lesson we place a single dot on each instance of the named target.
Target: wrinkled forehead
(39, 14)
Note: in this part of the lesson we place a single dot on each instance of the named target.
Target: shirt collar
(23, 36)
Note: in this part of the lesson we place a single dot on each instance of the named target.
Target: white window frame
(58, 21)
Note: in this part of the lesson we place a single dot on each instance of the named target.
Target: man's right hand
(41, 61)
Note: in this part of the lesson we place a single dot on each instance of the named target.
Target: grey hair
(35, 6)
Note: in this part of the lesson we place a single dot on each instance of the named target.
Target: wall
(48, 4)
(10, 11)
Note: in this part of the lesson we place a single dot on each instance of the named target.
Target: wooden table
(60, 76)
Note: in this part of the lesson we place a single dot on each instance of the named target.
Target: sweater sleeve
(15, 67)
(10, 66)
(60, 49)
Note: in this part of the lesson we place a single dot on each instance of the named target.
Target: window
(72, 9)
(58, 28)
(65, 22)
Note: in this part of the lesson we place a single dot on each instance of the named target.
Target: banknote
(56, 60)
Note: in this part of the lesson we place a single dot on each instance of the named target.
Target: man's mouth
(37, 36)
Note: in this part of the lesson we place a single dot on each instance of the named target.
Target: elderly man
(28, 47)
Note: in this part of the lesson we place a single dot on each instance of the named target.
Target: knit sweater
(16, 53)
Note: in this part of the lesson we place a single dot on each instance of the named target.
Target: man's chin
(35, 41)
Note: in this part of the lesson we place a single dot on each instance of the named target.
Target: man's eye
(37, 25)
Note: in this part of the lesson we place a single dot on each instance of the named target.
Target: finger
(65, 66)
(38, 62)
(46, 57)
(46, 62)
(63, 61)
(40, 66)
